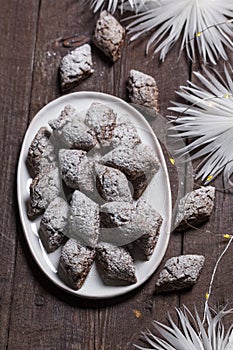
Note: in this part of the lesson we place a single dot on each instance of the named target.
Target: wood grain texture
(208, 240)
(34, 313)
(18, 24)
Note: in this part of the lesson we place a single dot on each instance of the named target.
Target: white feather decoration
(207, 119)
(208, 23)
(192, 334)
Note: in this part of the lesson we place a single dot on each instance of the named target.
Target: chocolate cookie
(115, 263)
(125, 134)
(41, 154)
(195, 208)
(112, 184)
(102, 120)
(44, 188)
(142, 89)
(84, 219)
(71, 132)
(67, 115)
(75, 67)
(69, 163)
(153, 221)
(179, 273)
(75, 263)
(121, 223)
(53, 224)
(139, 164)
(109, 36)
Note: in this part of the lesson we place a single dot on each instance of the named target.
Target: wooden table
(34, 313)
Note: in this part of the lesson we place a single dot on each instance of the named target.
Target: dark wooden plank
(18, 22)
(209, 241)
(51, 319)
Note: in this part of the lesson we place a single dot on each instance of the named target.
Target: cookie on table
(112, 184)
(75, 67)
(139, 164)
(153, 221)
(179, 272)
(109, 36)
(116, 264)
(142, 89)
(125, 134)
(75, 263)
(69, 163)
(195, 208)
(84, 219)
(41, 153)
(102, 120)
(53, 224)
(45, 187)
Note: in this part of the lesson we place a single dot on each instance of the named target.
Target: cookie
(76, 135)
(109, 36)
(102, 120)
(153, 221)
(112, 184)
(139, 164)
(84, 219)
(75, 263)
(75, 67)
(142, 89)
(121, 223)
(53, 224)
(195, 208)
(180, 272)
(44, 188)
(41, 153)
(71, 132)
(124, 134)
(67, 115)
(70, 168)
(115, 263)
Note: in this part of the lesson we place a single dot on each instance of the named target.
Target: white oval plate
(158, 194)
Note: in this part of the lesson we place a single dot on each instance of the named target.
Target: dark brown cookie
(121, 223)
(115, 263)
(153, 221)
(84, 219)
(195, 208)
(87, 182)
(142, 89)
(70, 166)
(67, 115)
(76, 135)
(112, 184)
(75, 263)
(71, 132)
(109, 36)
(75, 67)
(44, 188)
(125, 134)
(139, 164)
(53, 224)
(179, 273)
(102, 120)
(41, 154)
